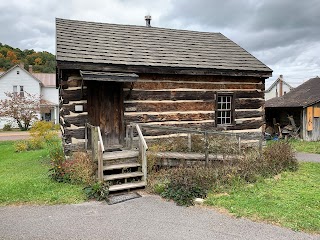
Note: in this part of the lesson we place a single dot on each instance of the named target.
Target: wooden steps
(126, 186)
(122, 165)
(122, 170)
(123, 176)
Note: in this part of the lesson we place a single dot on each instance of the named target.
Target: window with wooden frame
(224, 109)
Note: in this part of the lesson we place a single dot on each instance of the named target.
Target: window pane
(224, 107)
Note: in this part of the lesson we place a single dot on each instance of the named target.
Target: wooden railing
(143, 147)
(210, 144)
(143, 152)
(93, 133)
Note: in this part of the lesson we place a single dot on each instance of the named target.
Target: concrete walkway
(148, 217)
(308, 157)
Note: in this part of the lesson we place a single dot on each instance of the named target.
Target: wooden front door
(105, 109)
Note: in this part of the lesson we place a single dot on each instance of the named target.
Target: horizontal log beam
(184, 95)
(249, 124)
(75, 132)
(143, 118)
(169, 106)
(73, 95)
(248, 103)
(245, 94)
(67, 108)
(248, 114)
(77, 120)
(169, 95)
(197, 78)
(202, 85)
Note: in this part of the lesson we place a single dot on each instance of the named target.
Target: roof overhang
(108, 76)
(84, 66)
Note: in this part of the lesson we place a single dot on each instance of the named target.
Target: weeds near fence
(183, 184)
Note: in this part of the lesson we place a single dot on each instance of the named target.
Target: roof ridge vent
(148, 20)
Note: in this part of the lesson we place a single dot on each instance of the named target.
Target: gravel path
(148, 217)
(12, 136)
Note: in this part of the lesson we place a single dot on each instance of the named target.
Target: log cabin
(110, 75)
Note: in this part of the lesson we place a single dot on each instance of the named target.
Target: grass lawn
(24, 179)
(304, 146)
(291, 201)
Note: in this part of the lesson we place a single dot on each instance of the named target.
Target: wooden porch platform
(194, 156)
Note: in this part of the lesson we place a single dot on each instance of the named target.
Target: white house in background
(17, 79)
(277, 89)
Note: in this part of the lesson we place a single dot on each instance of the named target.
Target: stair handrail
(97, 147)
(88, 125)
(141, 137)
(100, 139)
(143, 151)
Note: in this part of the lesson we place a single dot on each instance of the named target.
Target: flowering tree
(22, 108)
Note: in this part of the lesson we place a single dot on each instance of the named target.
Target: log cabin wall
(171, 100)
(190, 101)
(73, 93)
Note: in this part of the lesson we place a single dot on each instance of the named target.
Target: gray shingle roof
(304, 95)
(79, 41)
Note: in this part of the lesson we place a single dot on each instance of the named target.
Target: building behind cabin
(17, 79)
(303, 104)
(278, 88)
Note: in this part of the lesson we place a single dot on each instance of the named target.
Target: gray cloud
(283, 34)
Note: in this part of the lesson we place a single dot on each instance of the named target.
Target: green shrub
(27, 145)
(35, 144)
(43, 131)
(79, 169)
(186, 183)
(160, 187)
(98, 191)
(7, 127)
(41, 134)
(21, 146)
(57, 158)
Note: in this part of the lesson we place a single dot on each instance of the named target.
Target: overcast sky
(283, 34)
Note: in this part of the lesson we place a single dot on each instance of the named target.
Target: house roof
(302, 96)
(45, 79)
(276, 82)
(17, 66)
(104, 43)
